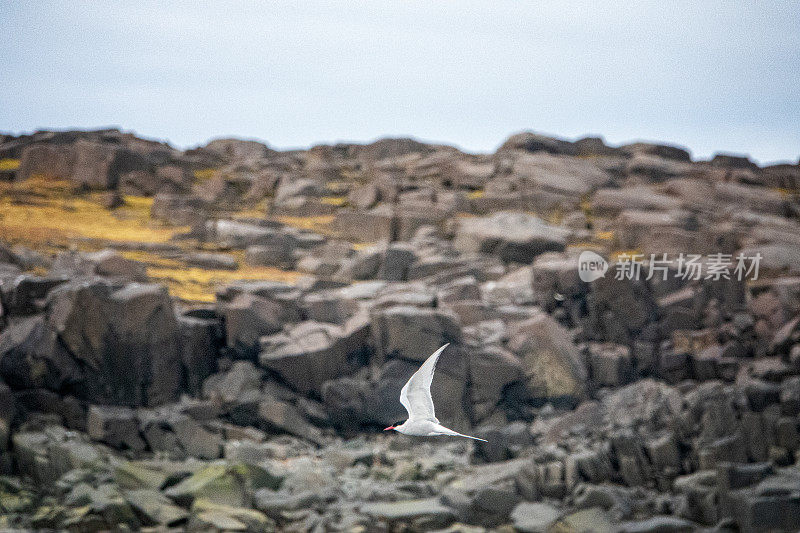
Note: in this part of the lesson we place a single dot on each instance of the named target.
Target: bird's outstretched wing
(416, 393)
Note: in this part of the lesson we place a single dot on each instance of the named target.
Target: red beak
(390, 427)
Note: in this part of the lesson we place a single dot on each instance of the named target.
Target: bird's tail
(469, 437)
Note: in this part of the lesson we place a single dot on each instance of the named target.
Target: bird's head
(393, 426)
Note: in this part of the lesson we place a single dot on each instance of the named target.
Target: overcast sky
(710, 76)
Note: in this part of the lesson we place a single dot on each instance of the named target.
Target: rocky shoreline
(628, 403)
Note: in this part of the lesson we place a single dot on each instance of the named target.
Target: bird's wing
(416, 393)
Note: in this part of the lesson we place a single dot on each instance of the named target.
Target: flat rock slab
(155, 506)
(407, 510)
(593, 519)
(659, 524)
(488, 474)
(512, 236)
(534, 517)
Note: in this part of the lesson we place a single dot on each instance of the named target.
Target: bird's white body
(416, 398)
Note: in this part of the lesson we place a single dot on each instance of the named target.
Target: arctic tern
(416, 398)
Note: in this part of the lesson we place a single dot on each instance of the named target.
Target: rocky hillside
(212, 339)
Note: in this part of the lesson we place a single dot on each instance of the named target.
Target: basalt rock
(126, 338)
(312, 353)
(511, 236)
(554, 368)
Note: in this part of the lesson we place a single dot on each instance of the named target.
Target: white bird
(416, 398)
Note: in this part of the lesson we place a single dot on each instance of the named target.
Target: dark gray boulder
(345, 401)
(312, 353)
(535, 142)
(67, 411)
(270, 255)
(213, 261)
(554, 175)
(661, 150)
(179, 209)
(491, 370)
(7, 412)
(115, 426)
(554, 367)
(486, 494)
(374, 225)
(31, 356)
(413, 333)
(174, 433)
(364, 264)
(288, 190)
(126, 340)
(247, 318)
(200, 342)
(107, 263)
(612, 201)
(771, 505)
(279, 416)
(26, 294)
(611, 364)
(226, 387)
(618, 309)
(397, 260)
(646, 401)
(364, 196)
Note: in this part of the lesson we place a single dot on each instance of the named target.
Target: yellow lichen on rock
(7, 164)
(204, 174)
(50, 215)
(193, 284)
(47, 213)
(319, 224)
(337, 201)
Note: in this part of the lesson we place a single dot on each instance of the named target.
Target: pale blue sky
(712, 76)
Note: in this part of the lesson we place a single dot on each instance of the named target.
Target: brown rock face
(52, 161)
(95, 165)
(127, 340)
(92, 164)
(105, 159)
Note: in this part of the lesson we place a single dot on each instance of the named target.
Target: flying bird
(416, 398)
